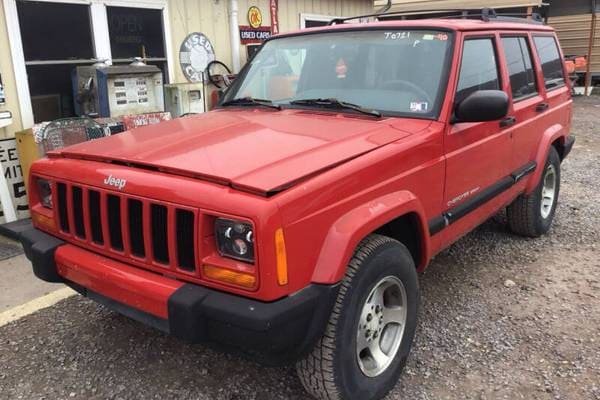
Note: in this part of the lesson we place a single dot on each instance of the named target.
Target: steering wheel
(219, 80)
(399, 84)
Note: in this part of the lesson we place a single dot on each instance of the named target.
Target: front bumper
(274, 333)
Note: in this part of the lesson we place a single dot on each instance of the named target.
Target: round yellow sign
(254, 17)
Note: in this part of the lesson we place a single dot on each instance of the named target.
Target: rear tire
(381, 272)
(532, 215)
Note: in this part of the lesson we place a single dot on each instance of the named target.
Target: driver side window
(479, 68)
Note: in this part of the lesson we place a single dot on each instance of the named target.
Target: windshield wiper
(251, 101)
(335, 103)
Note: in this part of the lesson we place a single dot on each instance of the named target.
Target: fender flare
(346, 233)
(556, 131)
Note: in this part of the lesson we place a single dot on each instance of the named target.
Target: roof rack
(486, 14)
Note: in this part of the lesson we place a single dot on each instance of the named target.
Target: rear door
(551, 73)
(477, 154)
(527, 101)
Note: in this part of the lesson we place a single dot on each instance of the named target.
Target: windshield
(391, 71)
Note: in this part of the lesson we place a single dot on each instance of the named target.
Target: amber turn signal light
(229, 276)
(282, 272)
(43, 221)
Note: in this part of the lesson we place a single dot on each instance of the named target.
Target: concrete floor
(18, 285)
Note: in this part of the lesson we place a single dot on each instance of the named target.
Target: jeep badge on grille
(116, 182)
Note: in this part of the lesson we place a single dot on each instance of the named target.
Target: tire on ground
(331, 371)
(524, 215)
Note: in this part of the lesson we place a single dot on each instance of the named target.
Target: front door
(478, 155)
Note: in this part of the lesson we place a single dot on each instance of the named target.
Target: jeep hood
(260, 151)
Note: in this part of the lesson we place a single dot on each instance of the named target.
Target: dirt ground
(501, 317)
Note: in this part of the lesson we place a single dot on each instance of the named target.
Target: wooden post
(588, 75)
(529, 12)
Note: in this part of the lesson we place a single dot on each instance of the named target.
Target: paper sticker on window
(440, 36)
(341, 69)
(396, 35)
(419, 106)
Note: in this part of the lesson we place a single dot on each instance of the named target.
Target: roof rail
(486, 14)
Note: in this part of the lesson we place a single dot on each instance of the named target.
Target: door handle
(542, 107)
(508, 121)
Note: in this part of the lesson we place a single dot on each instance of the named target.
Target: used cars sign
(251, 35)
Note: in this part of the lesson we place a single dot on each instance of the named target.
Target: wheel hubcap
(381, 326)
(548, 191)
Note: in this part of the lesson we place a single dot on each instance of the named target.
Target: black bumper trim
(452, 215)
(39, 248)
(275, 333)
(14, 230)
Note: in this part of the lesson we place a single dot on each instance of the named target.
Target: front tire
(532, 215)
(371, 328)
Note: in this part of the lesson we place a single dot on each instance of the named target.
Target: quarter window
(518, 60)
(479, 68)
(552, 66)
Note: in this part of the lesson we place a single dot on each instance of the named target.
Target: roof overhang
(418, 5)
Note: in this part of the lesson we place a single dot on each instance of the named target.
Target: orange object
(580, 62)
(282, 273)
(282, 86)
(43, 221)
(229, 276)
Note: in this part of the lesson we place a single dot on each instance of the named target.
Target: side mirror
(481, 106)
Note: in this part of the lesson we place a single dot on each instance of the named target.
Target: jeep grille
(145, 230)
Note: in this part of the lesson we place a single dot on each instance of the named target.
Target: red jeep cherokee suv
(291, 222)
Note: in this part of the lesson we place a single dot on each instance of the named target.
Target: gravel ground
(502, 317)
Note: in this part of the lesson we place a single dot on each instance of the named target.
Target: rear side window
(479, 68)
(552, 65)
(520, 69)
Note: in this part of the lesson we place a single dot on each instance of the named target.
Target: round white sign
(195, 53)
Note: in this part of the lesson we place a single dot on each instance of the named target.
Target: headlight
(45, 192)
(235, 239)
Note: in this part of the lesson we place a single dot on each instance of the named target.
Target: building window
(314, 20)
(47, 31)
(56, 38)
(135, 32)
(59, 36)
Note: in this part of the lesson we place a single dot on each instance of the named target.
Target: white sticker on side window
(419, 106)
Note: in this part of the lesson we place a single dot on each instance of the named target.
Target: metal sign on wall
(254, 32)
(254, 17)
(195, 53)
(11, 168)
(251, 35)
(274, 8)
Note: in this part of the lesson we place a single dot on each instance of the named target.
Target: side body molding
(347, 232)
(556, 131)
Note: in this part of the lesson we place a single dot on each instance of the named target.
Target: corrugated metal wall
(559, 8)
(211, 18)
(574, 33)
